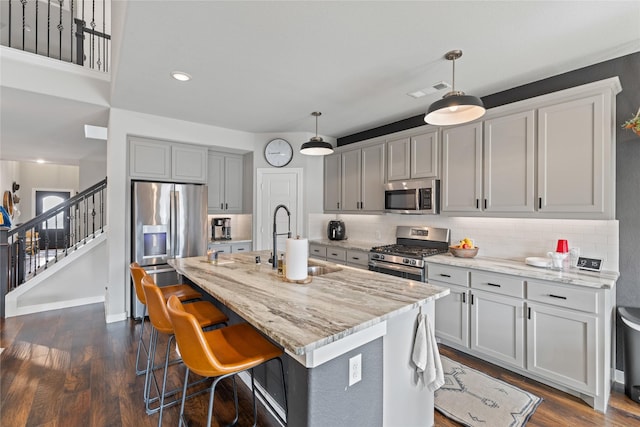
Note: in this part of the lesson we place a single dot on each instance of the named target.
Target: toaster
(336, 230)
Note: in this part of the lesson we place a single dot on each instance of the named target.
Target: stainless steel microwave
(413, 197)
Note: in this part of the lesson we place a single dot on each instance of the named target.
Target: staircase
(56, 259)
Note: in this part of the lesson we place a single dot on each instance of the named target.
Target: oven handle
(396, 267)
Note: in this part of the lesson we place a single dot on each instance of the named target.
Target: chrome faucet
(275, 234)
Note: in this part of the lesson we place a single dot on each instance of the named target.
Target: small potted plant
(633, 123)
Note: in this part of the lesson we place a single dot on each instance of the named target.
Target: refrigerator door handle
(172, 223)
(176, 221)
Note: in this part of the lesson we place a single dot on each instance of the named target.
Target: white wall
(91, 172)
(511, 238)
(43, 176)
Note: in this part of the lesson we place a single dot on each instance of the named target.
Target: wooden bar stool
(182, 291)
(220, 353)
(205, 314)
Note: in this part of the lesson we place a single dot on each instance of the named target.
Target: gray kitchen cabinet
(164, 161)
(337, 255)
(573, 133)
(188, 163)
(225, 183)
(452, 315)
(354, 180)
(357, 258)
(317, 251)
(413, 157)
(497, 326)
(509, 159)
(241, 247)
(462, 168)
(332, 182)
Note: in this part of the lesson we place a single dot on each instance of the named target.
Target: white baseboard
(119, 317)
(38, 308)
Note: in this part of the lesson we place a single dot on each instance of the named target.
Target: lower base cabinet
(556, 333)
(351, 257)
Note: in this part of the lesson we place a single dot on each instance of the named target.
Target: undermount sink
(318, 270)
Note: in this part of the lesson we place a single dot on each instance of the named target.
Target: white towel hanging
(426, 356)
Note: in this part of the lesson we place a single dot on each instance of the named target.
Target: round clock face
(278, 152)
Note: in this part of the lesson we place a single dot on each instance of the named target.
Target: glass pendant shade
(455, 107)
(316, 146)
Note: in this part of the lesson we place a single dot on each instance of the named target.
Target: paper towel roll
(296, 259)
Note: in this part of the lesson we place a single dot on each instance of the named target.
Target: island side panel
(407, 402)
(321, 396)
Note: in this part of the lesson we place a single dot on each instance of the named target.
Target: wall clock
(278, 152)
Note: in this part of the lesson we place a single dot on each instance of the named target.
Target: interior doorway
(53, 232)
(275, 187)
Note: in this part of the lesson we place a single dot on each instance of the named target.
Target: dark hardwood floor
(69, 368)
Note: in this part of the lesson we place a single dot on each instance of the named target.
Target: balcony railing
(30, 248)
(68, 30)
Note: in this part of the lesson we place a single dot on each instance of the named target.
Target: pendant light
(455, 107)
(316, 146)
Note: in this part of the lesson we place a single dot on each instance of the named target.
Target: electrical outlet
(355, 369)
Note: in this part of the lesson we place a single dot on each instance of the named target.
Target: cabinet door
(358, 258)
(452, 315)
(571, 156)
(332, 182)
(424, 155)
(151, 160)
(562, 346)
(351, 180)
(497, 327)
(240, 247)
(398, 159)
(233, 173)
(509, 163)
(317, 251)
(215, 182)
(373, 178)
(189, 163)
(462, 168)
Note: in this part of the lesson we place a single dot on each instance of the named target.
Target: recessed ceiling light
(181, 76)
(41, 161)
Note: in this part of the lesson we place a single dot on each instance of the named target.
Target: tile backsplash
(511, 238)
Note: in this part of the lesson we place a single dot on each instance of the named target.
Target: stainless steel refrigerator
(168, 221)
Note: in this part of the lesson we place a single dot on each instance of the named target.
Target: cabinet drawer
(336, 254)
(447, 274)
(498, 283)
(241, 247)
(358, 258)
(566, 297)
(318, 251)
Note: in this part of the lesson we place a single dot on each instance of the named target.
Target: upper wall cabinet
(354, 180)
(225, 183)
(413, 157)
(572, 159)
(164, 161)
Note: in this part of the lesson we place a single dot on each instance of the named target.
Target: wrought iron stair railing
(34, 245)
(46, 27)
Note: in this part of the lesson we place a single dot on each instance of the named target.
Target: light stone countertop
(229, 242)
(603, 279)
(358, 245)
(304, 317)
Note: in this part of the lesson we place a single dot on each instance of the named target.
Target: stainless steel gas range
(406, 257)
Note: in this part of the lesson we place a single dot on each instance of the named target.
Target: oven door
(398, 270)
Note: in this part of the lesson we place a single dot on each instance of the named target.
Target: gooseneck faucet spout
(275, 234)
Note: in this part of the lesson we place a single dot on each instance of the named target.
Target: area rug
(476, 399)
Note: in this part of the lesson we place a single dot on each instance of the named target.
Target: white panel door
(276, 188)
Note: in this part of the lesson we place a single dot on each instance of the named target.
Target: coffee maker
(221, 228)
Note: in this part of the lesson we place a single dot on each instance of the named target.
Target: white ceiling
(265, 66)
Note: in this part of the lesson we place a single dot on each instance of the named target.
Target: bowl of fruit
(464, 249)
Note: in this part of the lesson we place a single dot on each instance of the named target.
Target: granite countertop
(304, 317)
(603, 279)
(359, 245)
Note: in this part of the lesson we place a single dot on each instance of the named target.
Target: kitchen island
(341, 315)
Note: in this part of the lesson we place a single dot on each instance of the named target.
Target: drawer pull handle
(493, 284)
(334, 254)
(557, 296)
(355, 257)
(445, 275)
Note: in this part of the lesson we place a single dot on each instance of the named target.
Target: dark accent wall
(627, 68)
